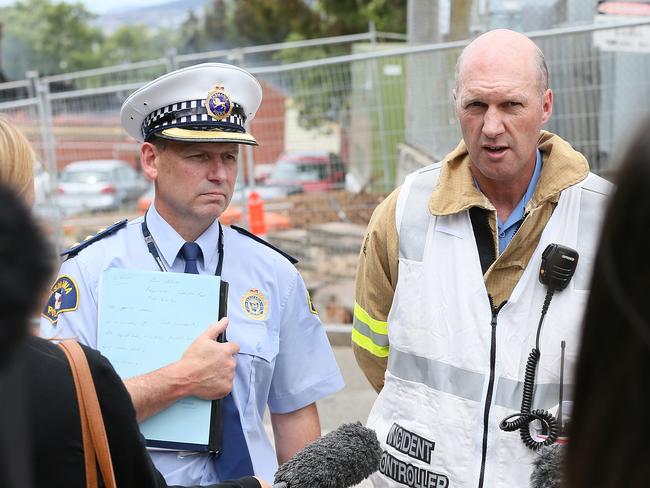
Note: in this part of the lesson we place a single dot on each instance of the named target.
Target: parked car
(262, 171)
(102, 184)
(305, 171)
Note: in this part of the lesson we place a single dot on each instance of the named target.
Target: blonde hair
(17, 158)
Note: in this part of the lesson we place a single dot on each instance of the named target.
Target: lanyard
(151, 244)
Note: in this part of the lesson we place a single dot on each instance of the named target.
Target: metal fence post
(242, 192)
(250, 167)
(45, 114)
(376, 81)
(236, 57)
(251, 182)
(32, 76)
(172, 61)
(372, 31)
(44, 108)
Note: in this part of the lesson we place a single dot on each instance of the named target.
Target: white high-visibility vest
(456, 368)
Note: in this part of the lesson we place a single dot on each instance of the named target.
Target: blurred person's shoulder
(46, 352)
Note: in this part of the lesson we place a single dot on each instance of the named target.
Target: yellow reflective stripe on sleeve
(369, 333)
(377, 326)
(363, 329)
(367, 344)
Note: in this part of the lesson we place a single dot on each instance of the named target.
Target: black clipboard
(215, 440)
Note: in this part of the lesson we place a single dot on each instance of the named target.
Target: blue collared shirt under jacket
(285, 360)
(507, 229)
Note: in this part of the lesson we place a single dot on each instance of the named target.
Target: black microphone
(340, 459)
(547, 472)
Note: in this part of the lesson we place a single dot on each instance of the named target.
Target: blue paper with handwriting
(146, 320)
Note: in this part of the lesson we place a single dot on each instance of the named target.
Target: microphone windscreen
(547, 471)
(340, 459)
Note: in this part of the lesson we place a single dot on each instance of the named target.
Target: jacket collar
(562, 167)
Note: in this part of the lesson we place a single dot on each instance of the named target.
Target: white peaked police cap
(210, 102)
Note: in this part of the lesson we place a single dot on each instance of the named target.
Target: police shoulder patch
(64, 297)
(262, 241)
(74, 250)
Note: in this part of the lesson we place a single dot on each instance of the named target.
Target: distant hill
(166, 14)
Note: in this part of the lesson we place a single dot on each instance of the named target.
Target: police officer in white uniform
(191, 123)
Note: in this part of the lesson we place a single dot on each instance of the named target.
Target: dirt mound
(308, 209)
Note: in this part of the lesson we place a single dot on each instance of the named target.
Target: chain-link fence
(344, 131)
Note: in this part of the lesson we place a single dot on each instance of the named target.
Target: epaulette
(262, 241)
(71, 252)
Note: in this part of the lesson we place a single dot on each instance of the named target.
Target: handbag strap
(93, 432)
(88, 447)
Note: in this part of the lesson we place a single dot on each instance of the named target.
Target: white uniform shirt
(285, 360)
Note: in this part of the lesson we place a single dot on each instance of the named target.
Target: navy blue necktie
(234, 462)
(190, 253)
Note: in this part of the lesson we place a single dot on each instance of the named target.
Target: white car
(102, 184)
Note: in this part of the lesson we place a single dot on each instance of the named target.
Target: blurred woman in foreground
(609, 444)
(17, 162)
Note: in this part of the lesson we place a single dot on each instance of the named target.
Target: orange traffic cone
(256, 220)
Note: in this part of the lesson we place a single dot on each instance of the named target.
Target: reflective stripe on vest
(591, 217)
(416, 215)
(469, 384)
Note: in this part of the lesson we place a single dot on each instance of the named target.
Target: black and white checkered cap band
(192, 115)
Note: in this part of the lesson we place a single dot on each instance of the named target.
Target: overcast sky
(101, 6)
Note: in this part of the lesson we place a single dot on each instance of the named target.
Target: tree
(341, 17)
(135, 42)
(388, 15)
(269, 21)
(50, 37)
(218, 25)
(192, 34)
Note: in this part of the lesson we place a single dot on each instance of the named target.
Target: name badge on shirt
(255, 304)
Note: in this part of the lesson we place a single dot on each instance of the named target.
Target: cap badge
(218, 103)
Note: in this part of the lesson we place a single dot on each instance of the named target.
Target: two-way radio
(558, 266)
